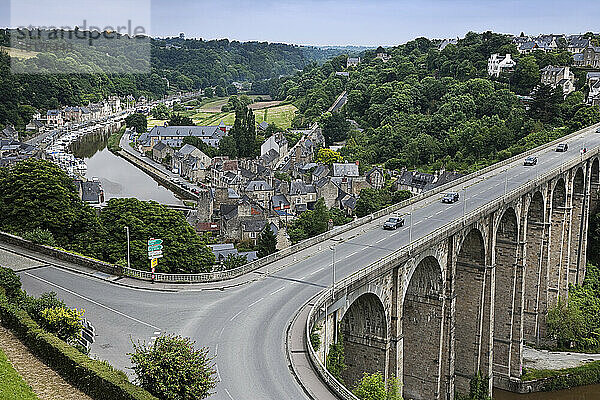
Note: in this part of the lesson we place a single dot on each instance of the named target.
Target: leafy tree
(310, 223)
(585, 116)
(160, 111)
(338, 216)
(37, 194)
(171, 368)
(565, 323)
(233, 261)
(527, 75)
(180, 120)
(183, 249)
(373, 387)
(199, 144)
(546, 104)
(241, 141)
(220, 92)
(138, 122)
(328, 157)
(209, 92)
(335, 127)
(267, 242)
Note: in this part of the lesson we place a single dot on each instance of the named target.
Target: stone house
(327, 190)
(558, 77)
(302, 196)
(593, 83)
(376, 178)
(54, 118)
(259, 191)
(352, 62)
(160, 151)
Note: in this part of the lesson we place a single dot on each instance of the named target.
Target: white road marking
(157, 333)
(380, 240)
(281, 288)
(232, 318)
(256, 302)
(221, 333)
(218, 374)
(228, 394)
(216, 349)
(92, 301)
(439, 212)
(418, 222)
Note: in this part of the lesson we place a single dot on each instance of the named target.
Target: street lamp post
(465, 203)
(127, 231)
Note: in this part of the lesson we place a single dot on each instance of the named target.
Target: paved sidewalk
(544, 359)
(301, 366)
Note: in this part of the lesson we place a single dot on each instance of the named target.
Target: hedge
(95, 378)
(587, 374)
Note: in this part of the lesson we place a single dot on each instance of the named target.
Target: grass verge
(566, 378)
(114, 139)
(12, 385)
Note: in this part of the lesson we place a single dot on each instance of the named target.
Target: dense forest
(434, 109)
(175, 65)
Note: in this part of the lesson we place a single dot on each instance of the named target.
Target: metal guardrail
(256, 264)
(327, 298)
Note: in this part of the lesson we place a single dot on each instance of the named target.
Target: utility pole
(127, 231)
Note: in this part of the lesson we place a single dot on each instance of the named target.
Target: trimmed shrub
(171, 368)
(95, 378)
(40, 236)
(10, 281)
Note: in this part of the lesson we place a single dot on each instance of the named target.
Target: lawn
(12, 386)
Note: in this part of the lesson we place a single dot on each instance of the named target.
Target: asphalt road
(245, 326)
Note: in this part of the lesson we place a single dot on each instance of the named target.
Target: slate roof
(263, 125)
(345, 169)
(91, 192)
(253, 226)
(279, 200)
(160, 146)
(299, 187)
(254, 186)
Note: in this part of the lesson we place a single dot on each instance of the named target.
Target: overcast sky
(322, 22)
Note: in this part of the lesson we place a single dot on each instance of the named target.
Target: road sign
(154, 254)
(153, 242)
(155, 247)
(154, 262)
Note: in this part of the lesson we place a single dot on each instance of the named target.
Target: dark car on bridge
(393, 223)
(451, 197)
(562, 147)
(531, 160)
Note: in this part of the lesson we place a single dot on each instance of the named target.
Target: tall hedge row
(95, 378)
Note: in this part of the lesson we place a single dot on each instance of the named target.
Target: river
(590, 392)
(119, 178)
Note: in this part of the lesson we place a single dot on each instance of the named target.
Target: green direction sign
(153, 242)
(155, 247)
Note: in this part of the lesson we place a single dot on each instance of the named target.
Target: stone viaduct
(467, 298)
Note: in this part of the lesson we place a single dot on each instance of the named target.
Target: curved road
(245, 325)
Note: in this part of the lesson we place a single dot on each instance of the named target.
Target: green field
(279, 115)
(210, 114)
(12, 386)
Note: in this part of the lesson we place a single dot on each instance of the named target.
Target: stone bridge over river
(468, 295)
